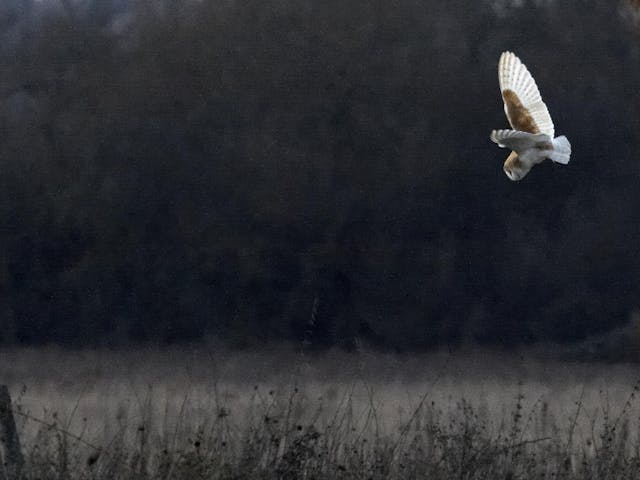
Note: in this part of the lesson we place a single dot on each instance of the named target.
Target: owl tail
(561, 150)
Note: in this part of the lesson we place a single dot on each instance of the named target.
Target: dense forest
(309, 171)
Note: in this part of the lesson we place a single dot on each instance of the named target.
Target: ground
(206, 412)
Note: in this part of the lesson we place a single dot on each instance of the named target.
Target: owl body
(517, 165)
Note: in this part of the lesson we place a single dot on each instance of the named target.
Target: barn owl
(531, 139)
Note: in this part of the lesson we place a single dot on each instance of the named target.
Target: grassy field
(208, 413)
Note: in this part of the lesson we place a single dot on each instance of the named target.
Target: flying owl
(531, 139)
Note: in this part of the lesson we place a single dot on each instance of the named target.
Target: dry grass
(206, 413)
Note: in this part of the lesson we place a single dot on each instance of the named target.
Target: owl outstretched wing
(519, 141)
(523, 104)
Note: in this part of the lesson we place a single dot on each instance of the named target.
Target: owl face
(514, 168)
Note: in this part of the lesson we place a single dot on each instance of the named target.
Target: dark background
(312, 171)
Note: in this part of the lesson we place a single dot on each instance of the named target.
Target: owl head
(514, 168)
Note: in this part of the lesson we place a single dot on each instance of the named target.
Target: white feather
(561, 150)
(519, 141)
(513, 75)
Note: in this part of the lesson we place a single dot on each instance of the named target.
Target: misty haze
(273, 239)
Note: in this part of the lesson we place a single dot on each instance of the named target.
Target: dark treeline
(312, 171)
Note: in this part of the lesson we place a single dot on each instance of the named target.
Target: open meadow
(284, 189)
(210, 413)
